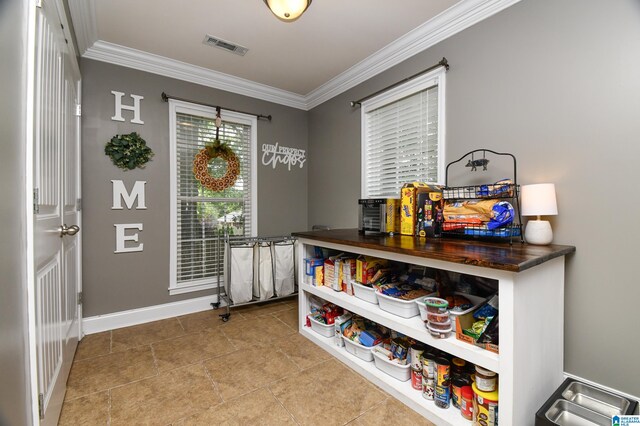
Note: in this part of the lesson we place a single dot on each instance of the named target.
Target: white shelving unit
(530, 363)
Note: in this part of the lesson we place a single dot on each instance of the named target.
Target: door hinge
(79, 204)
(80, 298)
(38, 3)
(36, 200)
(41, 405)
(78, 110)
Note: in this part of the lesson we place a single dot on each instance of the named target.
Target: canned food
(429, 365)
(443, 368)
(415, 352)
(416, 379)
(442, 396)
(428, 388)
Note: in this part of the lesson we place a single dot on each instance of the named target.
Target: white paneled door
(56, 215)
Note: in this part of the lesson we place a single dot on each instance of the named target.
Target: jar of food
(436, 305)
(466, 402)
(458, 367)
(439, 318)
(457, 383)
(485, 379)
(439, 325)
(485, 407)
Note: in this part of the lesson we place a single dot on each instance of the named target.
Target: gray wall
(117, 282)
(556, 83)
(15, 399)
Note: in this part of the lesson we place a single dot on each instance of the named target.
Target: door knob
(68, 230)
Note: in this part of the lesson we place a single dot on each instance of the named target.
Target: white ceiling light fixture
(287, 10)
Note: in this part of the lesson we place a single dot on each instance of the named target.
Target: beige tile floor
(197, 370)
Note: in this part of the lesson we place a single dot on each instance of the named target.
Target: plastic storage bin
(325, 330)
(362, 352)
(395, 370)
(368, 294)
(402, 308)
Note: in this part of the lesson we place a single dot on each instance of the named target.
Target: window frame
(435, 77)
(176, 107)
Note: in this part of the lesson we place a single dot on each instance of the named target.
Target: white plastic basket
(395, 370)
(361, 351)
(402, 308)
(475, 300)
(368, 294)
(325, 330)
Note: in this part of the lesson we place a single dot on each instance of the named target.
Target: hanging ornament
(216, 150)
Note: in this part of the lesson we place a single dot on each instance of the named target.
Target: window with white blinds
(403, 136)
(199, 215)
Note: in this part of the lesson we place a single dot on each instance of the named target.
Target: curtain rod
(166, 98)
(443, 63)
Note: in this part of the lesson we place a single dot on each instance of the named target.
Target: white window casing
(197, 214)
(403, 136)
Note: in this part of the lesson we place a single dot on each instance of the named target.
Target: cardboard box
(348, 274)
(367, 266)
(310, 264)
(408, 203)
(466, 321)
(392, 216)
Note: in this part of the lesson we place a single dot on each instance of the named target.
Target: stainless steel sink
(566, 413)
(596, 399)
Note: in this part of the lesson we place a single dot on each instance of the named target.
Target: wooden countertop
(515, 258)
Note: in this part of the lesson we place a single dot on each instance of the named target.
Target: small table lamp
(539, 200)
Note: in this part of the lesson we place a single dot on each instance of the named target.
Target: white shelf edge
(402, 391)
(412, 327)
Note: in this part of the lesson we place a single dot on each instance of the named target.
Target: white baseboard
(598, 385)
(131, 317)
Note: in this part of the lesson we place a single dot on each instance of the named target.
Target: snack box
(392, 215)
(466, 321)
(325, 330)
(402, 308)
(348, 275)
(408, 204)
(332, 272)
(310, 264)
(340, 323)
(395, 370)
(356, 349)
(367, 266)
(429, 212)
(318, 276)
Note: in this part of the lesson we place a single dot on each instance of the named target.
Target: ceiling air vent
(226, 45)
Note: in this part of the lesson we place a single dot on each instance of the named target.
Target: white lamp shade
(539, 200)
(288, 10)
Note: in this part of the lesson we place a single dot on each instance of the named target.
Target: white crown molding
(155, 64)
(99, 323)
(83, 15)
(453, 20)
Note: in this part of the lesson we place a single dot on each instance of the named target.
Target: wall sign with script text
(274, 154)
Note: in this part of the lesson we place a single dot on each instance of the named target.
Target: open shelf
(402, 391)
(412, 327)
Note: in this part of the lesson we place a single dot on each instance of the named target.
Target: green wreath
(128, 151)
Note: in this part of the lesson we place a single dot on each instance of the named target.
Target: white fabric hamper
(283, 254)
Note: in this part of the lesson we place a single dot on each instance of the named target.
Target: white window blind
(200, 215)
(403, 138)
